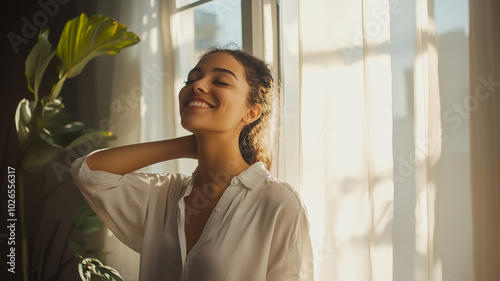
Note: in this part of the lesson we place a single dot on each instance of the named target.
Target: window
(215, 23)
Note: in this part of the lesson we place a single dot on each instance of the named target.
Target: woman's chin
(186, 125)
(191, 125)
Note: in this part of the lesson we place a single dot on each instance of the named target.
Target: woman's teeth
(198, 103)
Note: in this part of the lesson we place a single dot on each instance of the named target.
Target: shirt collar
(254, 175)
(250, 177)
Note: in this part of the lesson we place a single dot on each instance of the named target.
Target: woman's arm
(126, 159)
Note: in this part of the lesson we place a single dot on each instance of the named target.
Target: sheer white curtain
(384, 137)
(346, 136)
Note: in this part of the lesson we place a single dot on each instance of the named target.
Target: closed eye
(221, 83)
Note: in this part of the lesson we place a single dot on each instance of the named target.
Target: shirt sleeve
(120, 201)
(291, 255)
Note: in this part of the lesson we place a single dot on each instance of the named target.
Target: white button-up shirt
(258, 230)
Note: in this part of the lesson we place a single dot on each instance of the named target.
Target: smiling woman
(231, 209)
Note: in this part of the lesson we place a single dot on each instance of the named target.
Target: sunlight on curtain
(378, 183)
(432, 209)
(428, 132)
(443, 229)
(346, 135)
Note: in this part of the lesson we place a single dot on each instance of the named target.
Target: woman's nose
(199, 87)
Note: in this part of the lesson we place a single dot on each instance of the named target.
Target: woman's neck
(219, 160)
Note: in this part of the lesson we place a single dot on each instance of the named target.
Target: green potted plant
(46, 130)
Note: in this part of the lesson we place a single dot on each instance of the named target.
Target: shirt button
(217, 209)
(236, 181)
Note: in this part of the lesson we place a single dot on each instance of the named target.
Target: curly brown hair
(255, 138)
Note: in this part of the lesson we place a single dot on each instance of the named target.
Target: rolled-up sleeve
(120, 201)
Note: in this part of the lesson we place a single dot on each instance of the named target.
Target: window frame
(251, 22)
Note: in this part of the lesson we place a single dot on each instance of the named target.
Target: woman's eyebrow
(217, 69)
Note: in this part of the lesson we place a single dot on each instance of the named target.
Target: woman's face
(214, 98)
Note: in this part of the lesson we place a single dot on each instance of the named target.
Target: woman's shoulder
(270, 189)
(281, 194)
(280, 187)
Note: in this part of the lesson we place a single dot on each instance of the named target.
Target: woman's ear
(253, 113)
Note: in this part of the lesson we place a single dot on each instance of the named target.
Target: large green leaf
(50, 115)
(85, 220)
(38, 60)
(31, 119)
(23, 119)
(85, 38)
(63, 136)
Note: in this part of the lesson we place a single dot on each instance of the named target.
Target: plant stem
(56, 89)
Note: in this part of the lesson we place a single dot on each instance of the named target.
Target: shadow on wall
(453, 229)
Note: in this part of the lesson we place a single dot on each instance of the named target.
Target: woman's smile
(198, 103)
